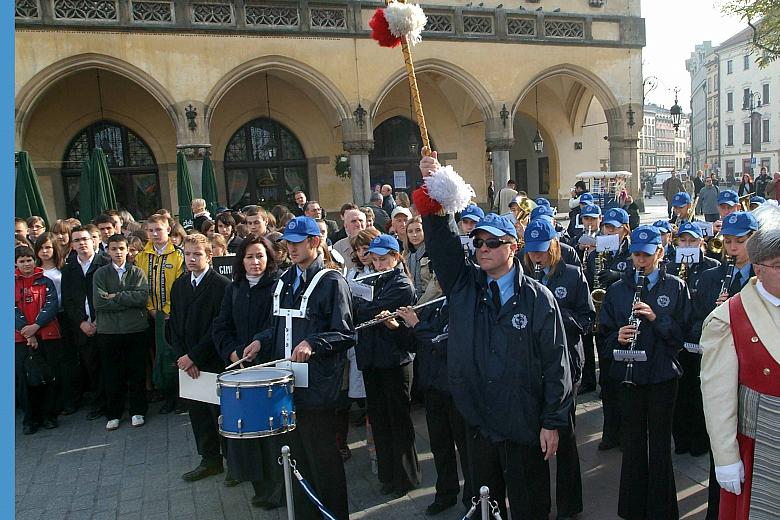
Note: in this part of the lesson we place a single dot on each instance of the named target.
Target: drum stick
(237, 362)
(268, 364)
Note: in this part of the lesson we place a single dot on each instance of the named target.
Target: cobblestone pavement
(80, 471)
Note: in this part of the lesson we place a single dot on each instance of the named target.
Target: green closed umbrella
(209, 185)
(96, 190)
(29, 201)
(184, 190)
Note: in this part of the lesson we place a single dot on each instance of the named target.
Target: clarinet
(538, 272)
(634, 320)
(731, 267)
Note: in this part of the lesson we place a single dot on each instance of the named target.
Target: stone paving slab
(80, 471)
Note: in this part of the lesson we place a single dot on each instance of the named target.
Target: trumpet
(715, 245)
(377, 321)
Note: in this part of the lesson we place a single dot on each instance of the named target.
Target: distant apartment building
(660, 146)
(735, 102)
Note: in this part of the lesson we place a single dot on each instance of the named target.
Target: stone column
(358, 143)
(194, 154)
(624, 155)
(499, 149)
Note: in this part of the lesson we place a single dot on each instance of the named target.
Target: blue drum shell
(256, 403)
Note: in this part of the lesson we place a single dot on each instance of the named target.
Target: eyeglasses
(772, 267)
(492, 243)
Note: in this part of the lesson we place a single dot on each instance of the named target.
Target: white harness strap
(300, 312)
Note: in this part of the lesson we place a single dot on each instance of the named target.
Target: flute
(377, 321)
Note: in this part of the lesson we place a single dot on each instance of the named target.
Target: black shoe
(229, 482)
(346, 454)
(180, 408)
(437, 507)
(50, 424)
(29, 429)
(68, 410)
(608, 445)
(95, 413)
(168, 407)
(386, 489)
(202, 472)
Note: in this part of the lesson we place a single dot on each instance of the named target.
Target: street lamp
(538, 141)
(676, 112)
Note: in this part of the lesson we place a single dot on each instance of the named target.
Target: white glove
(731, 477)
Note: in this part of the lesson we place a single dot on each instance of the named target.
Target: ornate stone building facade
(275, 90)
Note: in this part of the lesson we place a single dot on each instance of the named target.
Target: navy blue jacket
(327, 327)
(571, 291)
(508, 370)
(244, 312)
(380, 347)
(707, 294)
(662, 338)
(619, 262)
(432, 357)
(695, 272)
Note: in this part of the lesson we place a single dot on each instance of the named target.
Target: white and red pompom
(406, 20)
(449, 189)
(380, 30)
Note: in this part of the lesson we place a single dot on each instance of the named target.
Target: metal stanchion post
(288, 482)
(484, 498)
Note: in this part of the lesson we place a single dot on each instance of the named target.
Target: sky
(673, 28)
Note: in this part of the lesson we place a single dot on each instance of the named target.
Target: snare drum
(256, 402)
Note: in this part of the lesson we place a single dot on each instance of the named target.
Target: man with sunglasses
(508, 366)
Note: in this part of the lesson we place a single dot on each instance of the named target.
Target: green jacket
(126, 312)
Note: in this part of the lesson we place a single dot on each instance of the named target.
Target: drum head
(261, 376)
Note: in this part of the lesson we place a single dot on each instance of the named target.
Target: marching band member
(740, 385)
(469, 218)
(568, 253)
(320, 341)
(568, 285)
(246, 311)
(384, 358)
(662, 310)
(507, 361)
(446, 428)
(717, 285)
(681, 206)
(756, 201)
(576, 228)
(728, 203)
(615, 222)
(665, 228)
(590, 216)
(688, 429)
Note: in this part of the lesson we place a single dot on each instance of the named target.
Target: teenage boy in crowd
(105, 225)
(120, 293)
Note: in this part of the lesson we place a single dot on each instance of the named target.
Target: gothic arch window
(131, 163)
(397, 145)
(264, 164)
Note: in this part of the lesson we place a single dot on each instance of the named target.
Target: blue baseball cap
(691, 229)
(541, 201)
(663, 226)
(616, 217)
(538, 235)
(543, 212)
(586, 198)
(757, 200)
(591, 210)
(472, 212)
(382, 244)
(739, 224)
(645, 239)
(681, 199)
(729, 197)
(299, 228)
(496, 225)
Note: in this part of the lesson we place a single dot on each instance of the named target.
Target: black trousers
(447, 430)
(37, 402)
(713, 493)
(124, 375)
(204, 418)
(688, 427)
(91, 373)
(389, 412)
(589, 369)
(568, 477)
(647, 488)
(610, 399)
(513, 471)
(68, 362)
(313, 446)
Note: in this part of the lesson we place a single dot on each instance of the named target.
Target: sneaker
(113, 424)
(137, 420)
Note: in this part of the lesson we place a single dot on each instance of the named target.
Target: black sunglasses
(492, 243)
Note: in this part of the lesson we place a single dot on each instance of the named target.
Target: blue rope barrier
(310, 493)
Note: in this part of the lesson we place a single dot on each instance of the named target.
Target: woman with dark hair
(746, 186)
(246, 311)
(226, 226)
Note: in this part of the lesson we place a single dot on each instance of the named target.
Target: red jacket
(35, 301)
